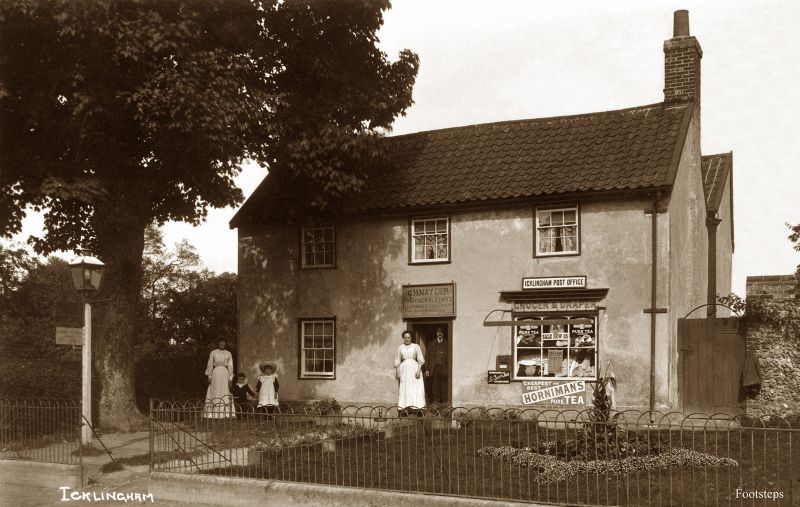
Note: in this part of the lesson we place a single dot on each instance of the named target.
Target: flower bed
(549, 468)
(307, 436)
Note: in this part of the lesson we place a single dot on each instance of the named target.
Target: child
(267, 388)
(242, 393)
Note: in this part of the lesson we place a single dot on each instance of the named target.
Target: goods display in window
(561, 346)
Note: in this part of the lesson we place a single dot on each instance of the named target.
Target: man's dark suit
(437, 364)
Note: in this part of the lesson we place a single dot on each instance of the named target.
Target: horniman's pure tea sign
(548, 392)
(433, 300)
(554, 282)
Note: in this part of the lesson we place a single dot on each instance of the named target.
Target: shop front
(555, 341)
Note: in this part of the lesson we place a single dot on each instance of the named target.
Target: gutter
(712, 222)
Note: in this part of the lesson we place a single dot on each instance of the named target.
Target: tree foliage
(29, 298)
(794, 237)
(185, 308)
(151, 105)
(116, 114)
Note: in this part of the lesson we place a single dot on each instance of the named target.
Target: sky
(507, 60)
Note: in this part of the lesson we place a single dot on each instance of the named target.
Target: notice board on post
(429, 300)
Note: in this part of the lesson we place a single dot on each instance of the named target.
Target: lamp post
(86, 273)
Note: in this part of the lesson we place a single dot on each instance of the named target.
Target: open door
(435, 339)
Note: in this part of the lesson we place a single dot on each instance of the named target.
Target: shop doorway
(438, 359)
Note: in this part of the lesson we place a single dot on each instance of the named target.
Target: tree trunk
(120, 245)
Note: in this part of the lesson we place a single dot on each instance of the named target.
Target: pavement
(132, 479)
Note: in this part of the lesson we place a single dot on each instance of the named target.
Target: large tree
(116, 114)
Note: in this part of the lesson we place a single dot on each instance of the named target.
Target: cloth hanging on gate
(751, 376)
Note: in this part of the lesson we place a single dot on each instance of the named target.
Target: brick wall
(775, 287)
(682, 70)
(777, 346)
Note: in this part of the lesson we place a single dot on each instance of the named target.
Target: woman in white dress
(219, 401)
(408, 366)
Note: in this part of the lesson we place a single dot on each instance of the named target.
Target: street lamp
(86, 273)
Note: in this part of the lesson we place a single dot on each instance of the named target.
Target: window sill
(425, 263)
(559, 254)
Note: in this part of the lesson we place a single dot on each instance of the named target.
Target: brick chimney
(682, 54)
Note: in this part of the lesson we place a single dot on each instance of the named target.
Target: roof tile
(612, 150)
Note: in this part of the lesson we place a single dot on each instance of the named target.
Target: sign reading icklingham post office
(431, 300)
(554, 282)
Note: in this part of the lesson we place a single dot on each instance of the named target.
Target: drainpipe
(711, 296)
(653, 293)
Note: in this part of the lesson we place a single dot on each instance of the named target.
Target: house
(548, 251)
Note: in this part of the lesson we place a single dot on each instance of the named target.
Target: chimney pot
(680, 26)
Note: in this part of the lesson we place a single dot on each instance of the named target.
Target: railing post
(80, 443)
(150, 433)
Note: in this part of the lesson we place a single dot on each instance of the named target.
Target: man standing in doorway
(437, 367)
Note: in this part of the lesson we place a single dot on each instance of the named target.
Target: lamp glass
(86, 273)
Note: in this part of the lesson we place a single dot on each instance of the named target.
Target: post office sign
(554, 282)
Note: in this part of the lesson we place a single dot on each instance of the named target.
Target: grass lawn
(447, 462)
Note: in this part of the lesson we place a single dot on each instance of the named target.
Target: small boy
(242, 394)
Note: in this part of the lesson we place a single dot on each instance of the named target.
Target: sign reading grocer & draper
(431, 300)
(554, 282)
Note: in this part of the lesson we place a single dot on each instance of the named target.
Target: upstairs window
(430, 240)
(557, 231)
(318, 247)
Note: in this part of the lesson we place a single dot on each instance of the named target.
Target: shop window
(430, 240)
(558, 347)
(557, 231)
(318, 247)
(317, 348)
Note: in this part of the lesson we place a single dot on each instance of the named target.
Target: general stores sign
(431, 300)
(550, 392)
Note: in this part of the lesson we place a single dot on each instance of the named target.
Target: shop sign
(548, 392)
(499, 377)
(69, 336)
(555, 306)
(432, 300)
(554, 282)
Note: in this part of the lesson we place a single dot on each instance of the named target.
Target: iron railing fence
(40, 430)
(577, 457)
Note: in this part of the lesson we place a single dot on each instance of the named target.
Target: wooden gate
(710, 364)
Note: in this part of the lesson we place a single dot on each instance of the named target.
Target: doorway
(438, 359)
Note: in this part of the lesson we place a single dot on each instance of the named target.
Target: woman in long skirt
(219, 401)
(408, 366)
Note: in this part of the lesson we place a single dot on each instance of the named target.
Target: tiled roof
(634, 148)
(716, 171)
